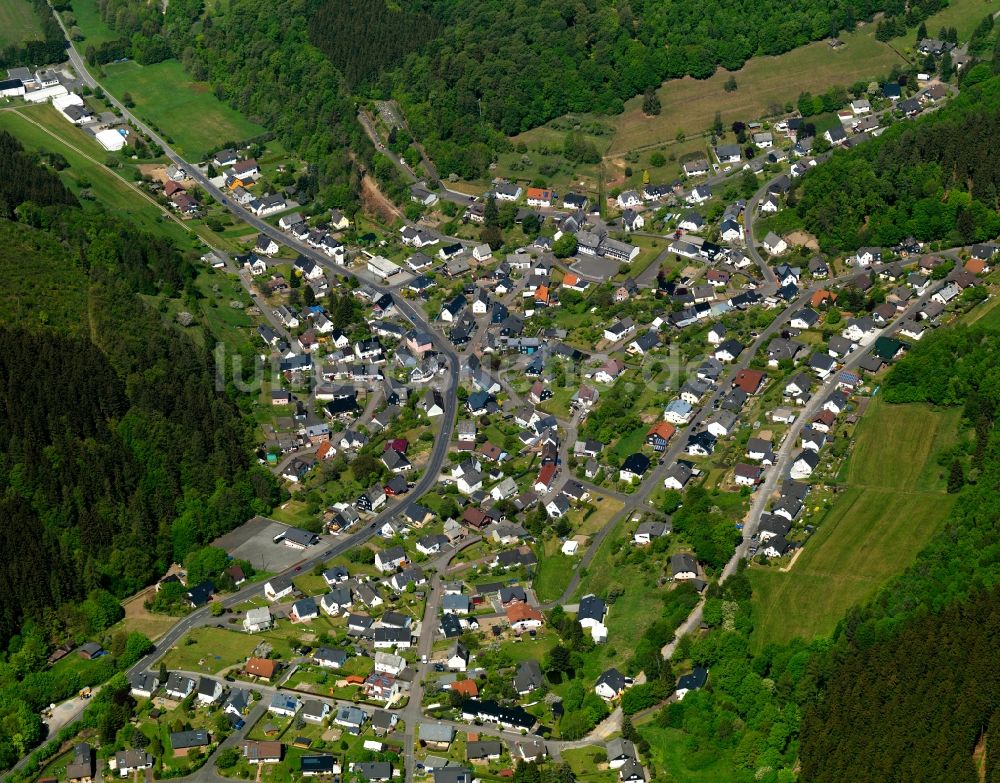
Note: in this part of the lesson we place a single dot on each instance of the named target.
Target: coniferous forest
(913, 706)
(119, 455)
(936, 178)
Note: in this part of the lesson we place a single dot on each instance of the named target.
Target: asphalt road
(412, 712)
(201, 617)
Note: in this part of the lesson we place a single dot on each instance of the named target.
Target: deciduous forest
(467, 75)
(510, 66)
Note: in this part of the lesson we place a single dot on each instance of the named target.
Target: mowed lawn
(690, 104)
(894, 502)
(187, 113)
(18, 23)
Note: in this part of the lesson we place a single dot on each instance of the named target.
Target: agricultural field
(873, 530)
(18, 23)
(689, 105)
(917, 431)
(189, 115)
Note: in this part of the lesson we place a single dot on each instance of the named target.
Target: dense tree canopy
(937, 178)
(22, 180)
(912, 707)
(510, 65)
(468, 75)
(364, 38)
(120, 455)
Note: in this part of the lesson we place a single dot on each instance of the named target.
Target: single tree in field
(947, 66)
(651, 103)
(956, 479)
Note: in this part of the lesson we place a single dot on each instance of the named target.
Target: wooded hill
(467, 75)
(935, 179)
(511, 65)
(119, 454)
(913, 706)
(910, 685)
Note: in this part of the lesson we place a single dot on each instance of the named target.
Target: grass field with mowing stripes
(18, 23)
(894, 502)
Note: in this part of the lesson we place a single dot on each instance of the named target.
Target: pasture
(873, 530)
(18, 23)
(187, 113)
(689, 105)
(963, 15)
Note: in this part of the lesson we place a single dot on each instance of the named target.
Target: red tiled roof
(261, 667)
(664, 429)
(467, 688)
(518, 612)
(546, 474)
(749, 380)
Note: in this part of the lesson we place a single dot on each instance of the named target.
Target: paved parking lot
(254, 542)
(593, 268)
